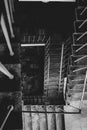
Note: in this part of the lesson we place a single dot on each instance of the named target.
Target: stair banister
(5, 32)
(61, 64)
(9, 112)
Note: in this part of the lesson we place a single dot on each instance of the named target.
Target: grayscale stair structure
(43, 83)
(76, 62)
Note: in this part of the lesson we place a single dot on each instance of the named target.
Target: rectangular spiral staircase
(43, 112)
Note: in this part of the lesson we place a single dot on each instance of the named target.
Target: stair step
(80, 38)
(52, 83)
(78, 59)
(77, 81)
(78, 70)
(76, 86)
(76, 77)
(50, 86)
(79, 49)
(77, 96)
(76, 90)
(81, 13)
(80, 25)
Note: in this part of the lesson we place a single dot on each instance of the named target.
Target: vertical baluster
(35, 118)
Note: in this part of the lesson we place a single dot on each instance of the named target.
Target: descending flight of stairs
(53, 69)
(77, 61)
(39, 113)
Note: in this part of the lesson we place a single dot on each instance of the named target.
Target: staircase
(40, 112)
(77, 61)
(52, 82)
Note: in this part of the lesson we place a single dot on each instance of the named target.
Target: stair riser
(75, 77)
(81, 72)
(82, 28)
(82, 51)
(77, 96)
(76, 86)
(73, 82)
(80, 62)
(81, 41)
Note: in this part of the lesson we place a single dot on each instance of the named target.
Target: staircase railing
(9, 112)
(66, 62)
(61, 65)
